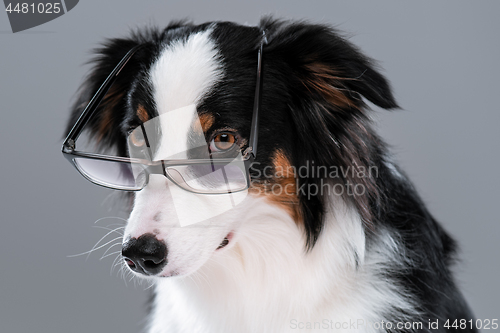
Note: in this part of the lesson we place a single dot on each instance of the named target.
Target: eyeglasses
(204, 176)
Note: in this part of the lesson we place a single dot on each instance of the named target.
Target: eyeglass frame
(158, 167)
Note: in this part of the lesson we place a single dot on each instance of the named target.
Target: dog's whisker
(109, 248)
(110, 217)
(207, 281)
(110, 254)
(94, 248)
(151, 285)
(118, 230)
(115, 263)
(123, 273)
(103, 237)
(194, 281)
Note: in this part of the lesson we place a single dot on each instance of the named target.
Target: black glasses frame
(158, 167)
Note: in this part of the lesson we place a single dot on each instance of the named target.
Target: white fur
(266, 282)
(185, 71)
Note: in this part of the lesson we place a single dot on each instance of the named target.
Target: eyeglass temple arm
(252, 147)
(90, 109)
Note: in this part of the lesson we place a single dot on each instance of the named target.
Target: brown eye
(223, 141)
(136, 138)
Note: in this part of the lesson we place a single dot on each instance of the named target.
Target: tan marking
(142, 113)
(281, 189)
(206, 121)
(325, 81)
(105, 124)
(108, 103)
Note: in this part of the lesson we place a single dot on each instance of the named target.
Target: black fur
(313, 109)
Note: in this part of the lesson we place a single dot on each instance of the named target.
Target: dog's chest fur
(268, 283)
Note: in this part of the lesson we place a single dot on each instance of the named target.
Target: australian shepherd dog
(331, 235)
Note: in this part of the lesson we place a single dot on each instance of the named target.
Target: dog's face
(181, 84)
(311, 110)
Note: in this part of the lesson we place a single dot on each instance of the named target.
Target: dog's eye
(136, 138)
(223, 142)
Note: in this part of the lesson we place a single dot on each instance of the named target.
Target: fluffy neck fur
(267, 282)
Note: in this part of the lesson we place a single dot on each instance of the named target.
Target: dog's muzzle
(145, 255)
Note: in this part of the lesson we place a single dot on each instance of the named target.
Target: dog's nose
(146, 254)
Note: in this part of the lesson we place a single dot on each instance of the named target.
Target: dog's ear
(327, 80)
(328, 65)
(104, 126)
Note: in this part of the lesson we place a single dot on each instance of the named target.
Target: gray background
(441, 57)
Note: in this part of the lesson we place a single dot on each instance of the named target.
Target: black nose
(146, 254)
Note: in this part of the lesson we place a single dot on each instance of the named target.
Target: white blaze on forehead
(182, 74)
(185, 71)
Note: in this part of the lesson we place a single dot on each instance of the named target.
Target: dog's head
(312, 114)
